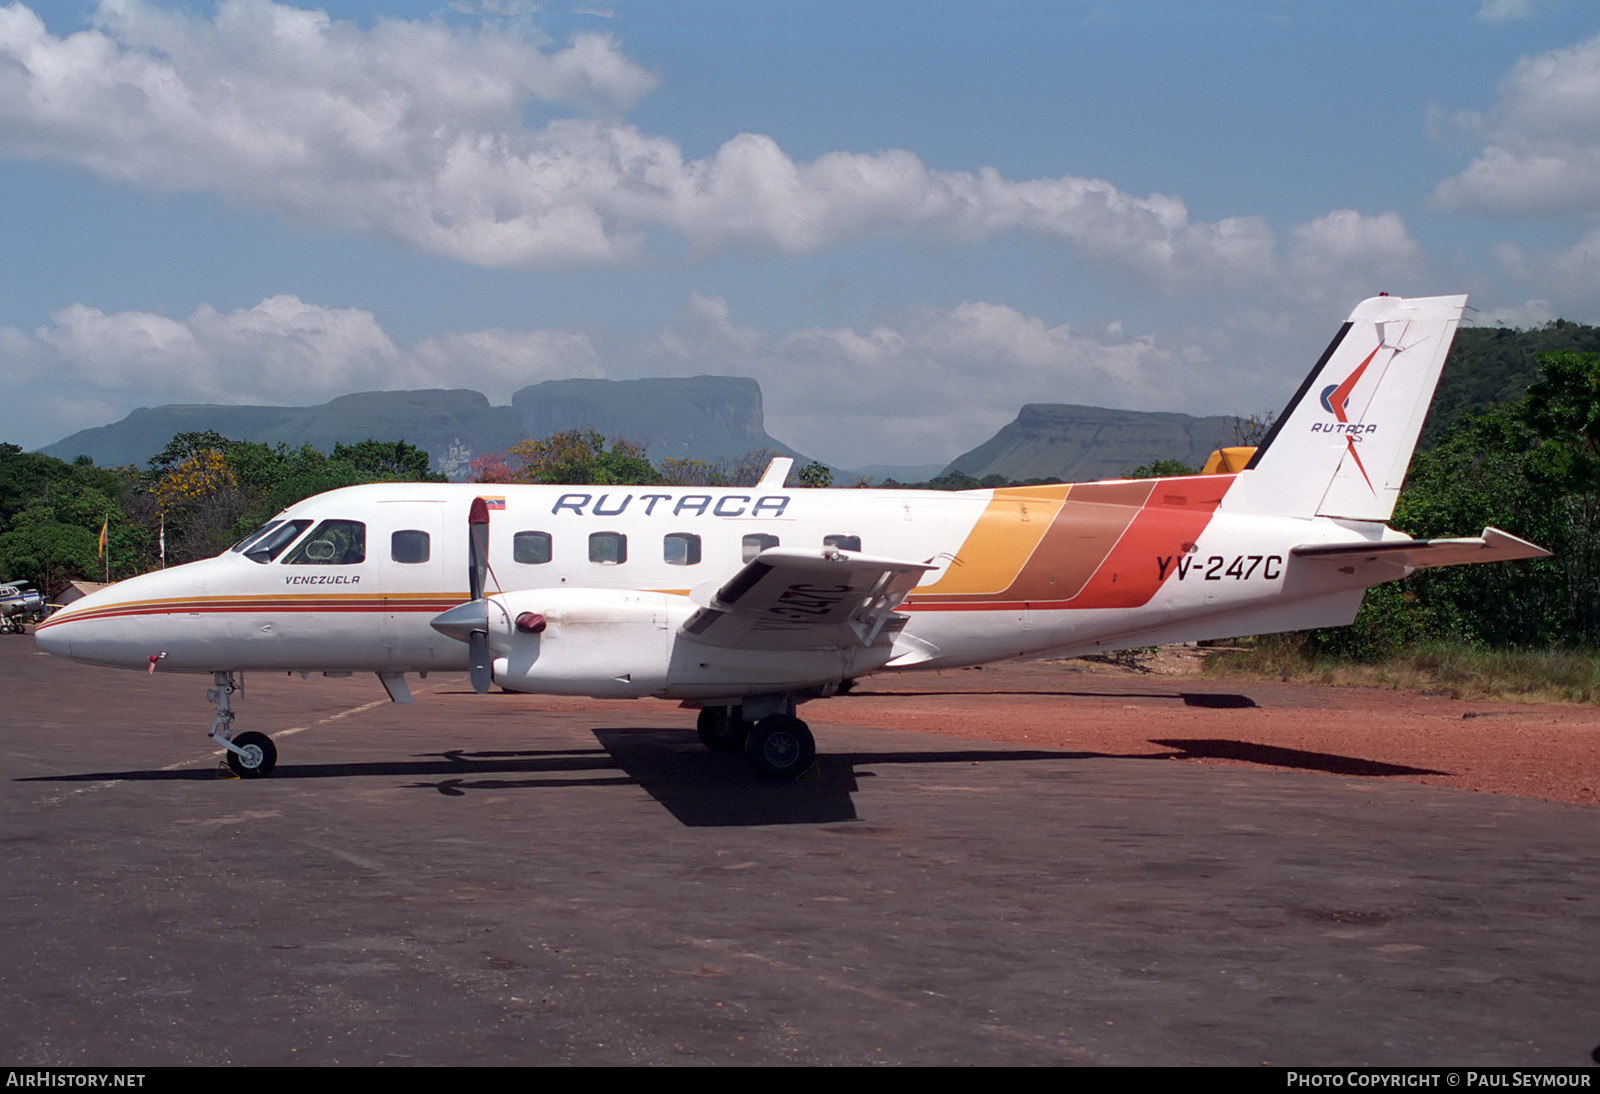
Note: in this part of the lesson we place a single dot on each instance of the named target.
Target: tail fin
(1342, 446)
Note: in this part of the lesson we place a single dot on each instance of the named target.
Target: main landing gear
(250, 755)
(778, 746)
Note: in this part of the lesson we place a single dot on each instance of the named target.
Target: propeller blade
(469, 623)
(478, 662)
(477, 547)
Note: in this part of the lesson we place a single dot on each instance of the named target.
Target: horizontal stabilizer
(790, 598)
(1421, 554)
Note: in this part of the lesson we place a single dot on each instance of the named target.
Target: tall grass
(1552, 676)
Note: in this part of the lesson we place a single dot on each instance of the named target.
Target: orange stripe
(1101, 548)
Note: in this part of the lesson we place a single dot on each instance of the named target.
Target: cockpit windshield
(263, 530)
(269, 543)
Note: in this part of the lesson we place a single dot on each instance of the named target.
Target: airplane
(20, 604)
(745, 602)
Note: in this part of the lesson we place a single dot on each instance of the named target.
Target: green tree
(1532, 468)
(816, 475)
(748, 468)
(686, 471)
(51, 513)
(394, 461)
(1160, 469)
(209, 490)
(582, 457)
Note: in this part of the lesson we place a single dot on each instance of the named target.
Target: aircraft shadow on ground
(718, 789)
(1212, 700)
(699, 788)
(1274, 756)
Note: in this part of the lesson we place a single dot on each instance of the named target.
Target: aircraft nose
(124, 624)
(54, 638)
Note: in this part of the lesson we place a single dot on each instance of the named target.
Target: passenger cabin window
(409, 546)
(608, 548)
(531, 548)
(332, 543)
(681, 549)
(263, 548)
(844, 543)
(753, 545)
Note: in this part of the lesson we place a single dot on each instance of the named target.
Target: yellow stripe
(1001, 542)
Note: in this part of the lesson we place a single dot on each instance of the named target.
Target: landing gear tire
(260, 756)
(781, 747)
(719, 731)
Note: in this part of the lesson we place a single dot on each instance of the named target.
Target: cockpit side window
(267, 547)
(332, 543)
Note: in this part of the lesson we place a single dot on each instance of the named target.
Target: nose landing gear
(251, 755)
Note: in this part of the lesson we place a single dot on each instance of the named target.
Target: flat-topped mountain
(698, 417)
(690, 417)
(703, 417)
(1071, 443)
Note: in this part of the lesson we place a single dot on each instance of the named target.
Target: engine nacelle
(606, 643)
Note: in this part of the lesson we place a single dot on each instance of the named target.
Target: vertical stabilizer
(1342, 446)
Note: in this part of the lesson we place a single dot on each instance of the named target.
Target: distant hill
(1069, 443)
(704, 417)
(445, 424)
(1490, 365)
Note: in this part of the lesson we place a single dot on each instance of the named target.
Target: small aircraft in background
(20, 604)
(747, 601)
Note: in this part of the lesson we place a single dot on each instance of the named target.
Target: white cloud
(1565, 279)
(1542, 141)
(1503, 11)
(497, 148)
(1345, 256)
(1530, 313)
(409, 129)
(1579, 265)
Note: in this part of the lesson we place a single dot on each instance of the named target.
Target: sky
(905, 219)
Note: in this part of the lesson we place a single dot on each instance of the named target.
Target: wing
(790, 598)
(1420, 554)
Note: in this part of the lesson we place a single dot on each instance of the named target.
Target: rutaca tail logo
(1336, 401)
(1327, 402)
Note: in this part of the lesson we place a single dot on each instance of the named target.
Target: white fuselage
(1018, 573)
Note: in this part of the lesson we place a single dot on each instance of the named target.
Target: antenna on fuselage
(777, 473)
